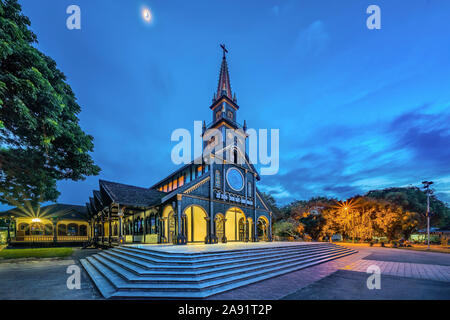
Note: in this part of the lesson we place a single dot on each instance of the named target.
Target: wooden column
(109, 226)
(103, 227)
(255, 230)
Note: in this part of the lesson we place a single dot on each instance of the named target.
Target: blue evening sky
(357, 109)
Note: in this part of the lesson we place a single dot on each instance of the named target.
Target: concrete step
(188, 257)
(206, 279)
(133, 274)
(142, 261)
(172, 294)
(204, 271)
(101, 282)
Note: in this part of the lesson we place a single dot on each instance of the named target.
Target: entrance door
(219, 228)
(241, 229)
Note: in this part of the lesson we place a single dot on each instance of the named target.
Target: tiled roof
(61, 211)
(131, 195)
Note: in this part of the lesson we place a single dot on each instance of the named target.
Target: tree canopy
(390, 213)
(41, 140)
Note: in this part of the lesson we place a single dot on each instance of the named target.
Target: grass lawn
(35, 253)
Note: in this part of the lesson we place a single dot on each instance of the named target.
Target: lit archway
(262, 228)
(233, 216)
(196, 224)
(220, 225)
(250, 229)
(169, 223)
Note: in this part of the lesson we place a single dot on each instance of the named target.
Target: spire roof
(224, 87)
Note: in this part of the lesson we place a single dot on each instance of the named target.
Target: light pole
(428, 191)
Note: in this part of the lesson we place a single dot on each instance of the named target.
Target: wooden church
(214, 199)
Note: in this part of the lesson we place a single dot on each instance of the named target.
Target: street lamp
(428, 191)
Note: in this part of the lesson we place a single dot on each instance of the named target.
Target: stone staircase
(139, 273)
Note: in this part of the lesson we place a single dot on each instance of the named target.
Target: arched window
(72, 229)
(83, 230)
(62, 230)
(25, 228)
(48, 230)
(217, 179)
(36, 229)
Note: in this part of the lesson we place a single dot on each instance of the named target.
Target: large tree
(414, 200)
(41, 141)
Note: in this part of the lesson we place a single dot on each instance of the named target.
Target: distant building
(57, 223)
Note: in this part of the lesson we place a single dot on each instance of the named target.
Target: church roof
(58, 210)
(130, 195)
(224, 87)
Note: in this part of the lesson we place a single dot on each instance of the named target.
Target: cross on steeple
(224, 87)
(224, 49)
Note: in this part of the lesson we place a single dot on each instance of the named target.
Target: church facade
(213, 199)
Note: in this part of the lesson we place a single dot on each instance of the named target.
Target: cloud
(342, 161)
(313, 39)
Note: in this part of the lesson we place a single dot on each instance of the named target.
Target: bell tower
(224, 113)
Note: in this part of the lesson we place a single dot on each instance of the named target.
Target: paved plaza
(404, 275)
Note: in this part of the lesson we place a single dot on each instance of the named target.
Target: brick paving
(404, 269)
(279, 287)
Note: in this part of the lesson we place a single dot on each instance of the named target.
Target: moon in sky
(146, 15)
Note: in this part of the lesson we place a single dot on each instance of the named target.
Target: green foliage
(40, 136)
(414, 200)
(391, 214)
(288, 228)
(36, 253)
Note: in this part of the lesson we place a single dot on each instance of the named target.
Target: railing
(72, 238)
(35, 239)
(50, 239)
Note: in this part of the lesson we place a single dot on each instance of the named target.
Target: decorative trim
(196, 186)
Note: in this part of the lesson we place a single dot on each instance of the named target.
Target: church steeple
(224, 87)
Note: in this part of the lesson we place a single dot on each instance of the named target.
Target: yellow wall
(196, 215)
(232, 224)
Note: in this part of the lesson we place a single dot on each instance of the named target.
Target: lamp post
(428, 191)
(120, 214)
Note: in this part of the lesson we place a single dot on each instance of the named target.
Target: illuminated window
(188, 176)
(170, 186)
(165, 188)
(181, 181)
(175, 184)
(217, 179)
(199, 170)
